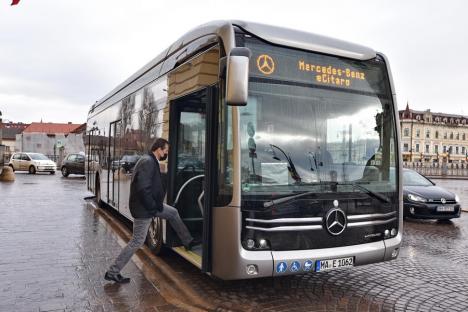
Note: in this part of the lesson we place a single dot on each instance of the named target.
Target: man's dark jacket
(146, 189)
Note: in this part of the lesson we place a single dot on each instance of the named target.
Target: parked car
(127, 163)
(73, 164)
(423, 199)
(32, 162)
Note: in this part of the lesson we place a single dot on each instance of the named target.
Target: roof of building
(80, 129)
(412, 113)
(10, 130)
(51, 128)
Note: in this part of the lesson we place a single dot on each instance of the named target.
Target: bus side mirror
(237, 79)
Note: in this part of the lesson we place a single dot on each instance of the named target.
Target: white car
(32, 162)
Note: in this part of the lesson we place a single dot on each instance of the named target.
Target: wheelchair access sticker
(295, 266)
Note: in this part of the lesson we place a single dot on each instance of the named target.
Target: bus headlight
(262, 243)
(393, 232)
(250, 243)
(386, 233)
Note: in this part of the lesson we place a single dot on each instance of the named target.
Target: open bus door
(190, 182)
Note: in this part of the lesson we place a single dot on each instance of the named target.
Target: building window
(463, 136)
(456, 150)
(418, 133)
(445, 135)
(428, 134)
(463, 150)
(427, 148)
(436, 149)
(437, 134)
(451, 135)
(406, 132)
(417, 147)
(445, 149)
(405, 147)
(458, 136)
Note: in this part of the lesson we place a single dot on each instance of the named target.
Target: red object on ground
(15, 2)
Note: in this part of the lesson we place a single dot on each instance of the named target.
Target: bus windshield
(316, 123)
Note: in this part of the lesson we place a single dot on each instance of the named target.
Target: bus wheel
(154, 238)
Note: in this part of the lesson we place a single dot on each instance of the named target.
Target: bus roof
(273, 34)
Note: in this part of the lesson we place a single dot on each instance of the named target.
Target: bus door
(190, 158)
(113, 173)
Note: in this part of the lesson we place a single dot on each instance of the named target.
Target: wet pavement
(56, 247)
(457, 186)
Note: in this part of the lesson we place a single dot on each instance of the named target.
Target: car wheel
(12, 168)
(32, 170)
(65, 172)
(154, 239)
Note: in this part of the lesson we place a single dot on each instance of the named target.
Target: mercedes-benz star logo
(265, 64)
(335, 221)
(443, 200)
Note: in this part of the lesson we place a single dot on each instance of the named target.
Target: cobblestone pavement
(55, 249)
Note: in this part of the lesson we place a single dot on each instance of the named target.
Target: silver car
(32, 162)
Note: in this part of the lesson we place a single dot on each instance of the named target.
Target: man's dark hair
(159, 143)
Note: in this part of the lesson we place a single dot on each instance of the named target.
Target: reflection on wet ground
(56, 247)
(54, 252)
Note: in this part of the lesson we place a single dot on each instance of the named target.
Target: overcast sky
(58, 57)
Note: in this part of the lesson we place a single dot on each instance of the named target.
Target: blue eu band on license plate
(333, 264)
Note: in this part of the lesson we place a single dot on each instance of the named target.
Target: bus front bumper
(304, 261)
(254, 264)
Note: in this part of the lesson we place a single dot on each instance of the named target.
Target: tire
(12, 168)
(65, 172)
(154, 238)
(32, 170)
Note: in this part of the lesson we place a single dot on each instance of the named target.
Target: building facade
(9, 131)
(433, 137)
(52, 139)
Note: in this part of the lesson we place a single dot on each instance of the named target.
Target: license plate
(333, 264)
(445, 208)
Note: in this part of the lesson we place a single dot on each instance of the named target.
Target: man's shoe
(118, 278)
(193, 243)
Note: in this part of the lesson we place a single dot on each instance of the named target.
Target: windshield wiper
(285, 199)
(380, 197)
(292, 169)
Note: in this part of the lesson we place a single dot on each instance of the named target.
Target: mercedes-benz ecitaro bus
(284, 149)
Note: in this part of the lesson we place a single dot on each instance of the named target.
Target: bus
(284, 149)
